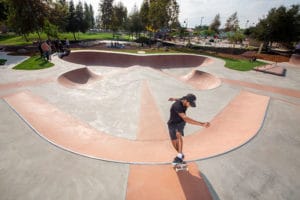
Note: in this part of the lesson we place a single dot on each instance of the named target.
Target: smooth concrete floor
(267, 167)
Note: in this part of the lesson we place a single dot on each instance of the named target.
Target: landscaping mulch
(269, 57)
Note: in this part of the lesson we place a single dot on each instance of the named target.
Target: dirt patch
(269, 57)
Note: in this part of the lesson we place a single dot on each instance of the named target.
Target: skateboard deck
(181, 167)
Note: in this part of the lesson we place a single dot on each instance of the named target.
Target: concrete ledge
(271, 69)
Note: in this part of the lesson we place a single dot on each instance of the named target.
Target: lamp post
(189, 39)
(186, 25)
(246, 26)
(201, 22)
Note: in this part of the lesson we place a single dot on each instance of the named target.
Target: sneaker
(177, 161)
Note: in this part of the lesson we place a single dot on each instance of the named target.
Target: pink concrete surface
(98, 58)
(151, 125)
(78, 77)
(295, 60)
(201, 80)
(198, 79)
(20, 84)
(278, 90)
(271, 69)
(232, 127)
(150, 182)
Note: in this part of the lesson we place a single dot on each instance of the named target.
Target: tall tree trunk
(74, 36)
(39, 35)
(25, 36)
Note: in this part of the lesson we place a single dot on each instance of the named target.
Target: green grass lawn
(241, 65)
(12, 39)
(34, 63)
(235, 64)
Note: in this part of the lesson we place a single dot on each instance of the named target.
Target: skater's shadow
(195, 185)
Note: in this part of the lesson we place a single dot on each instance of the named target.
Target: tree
(119, 17)
(173, 12)
(236, 36)
(157, 14)
(50, 30)
(92, 19)
(135, 24)
(163, 13)
(106, 14)
(3, 10)
(81, 25)
(3, 15)
(216, 23)
(232, 23)
(27, 16)
(72, 22)
(87, 22)
(280, 25)
(144, 14)
(58, 14)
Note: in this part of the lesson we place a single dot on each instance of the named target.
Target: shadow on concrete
(194, 186)
(210, 187)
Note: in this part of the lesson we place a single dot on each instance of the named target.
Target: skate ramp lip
(101, 58)
(271, 69)
(78, 77)
(201, 80)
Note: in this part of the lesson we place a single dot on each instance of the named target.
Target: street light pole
(189, 40)
(246, 26)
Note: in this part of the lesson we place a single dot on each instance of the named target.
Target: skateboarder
(177, 121)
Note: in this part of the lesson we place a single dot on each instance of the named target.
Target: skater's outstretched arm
(172, 99)
(192, 121)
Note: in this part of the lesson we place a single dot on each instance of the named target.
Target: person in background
(46, 50)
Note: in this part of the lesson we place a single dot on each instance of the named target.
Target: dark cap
(191, 98)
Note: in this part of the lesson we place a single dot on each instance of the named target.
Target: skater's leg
(179, 142)
(175, 144)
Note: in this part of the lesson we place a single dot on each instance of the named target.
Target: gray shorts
(173, 128)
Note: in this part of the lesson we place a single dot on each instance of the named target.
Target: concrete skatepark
(93, 126)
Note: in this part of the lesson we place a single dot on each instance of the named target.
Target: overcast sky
(193, 10)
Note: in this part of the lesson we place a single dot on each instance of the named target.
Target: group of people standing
(47, 47)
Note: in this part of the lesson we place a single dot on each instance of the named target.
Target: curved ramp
(78, 77)
(295, 59)
(234, 126)
(201, 80)
(100, 58)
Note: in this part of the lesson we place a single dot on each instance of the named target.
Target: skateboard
(181, 167)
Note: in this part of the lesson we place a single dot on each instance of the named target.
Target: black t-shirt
(176, 108)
